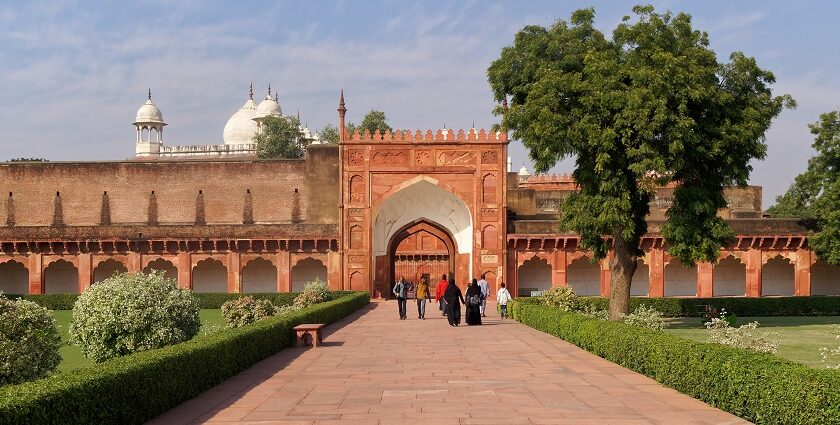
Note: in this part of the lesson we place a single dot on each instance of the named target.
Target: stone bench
(312, 330)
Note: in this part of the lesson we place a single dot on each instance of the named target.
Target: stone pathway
(376, 369)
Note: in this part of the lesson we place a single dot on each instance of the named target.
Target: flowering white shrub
(593, 312)
(831, 356)
(286, 309)
(562, 297)
(246, 310)
(745, 336)
(132, 312)
(314, 292)
(646, 317)
(29, 341)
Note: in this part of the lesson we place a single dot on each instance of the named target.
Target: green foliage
(651, 106)
(373, 120)
(329, 134)
(758, 387)
(139, 387)
(132, 312)
(50, 301)
(280, 138)
(742, 306)
(816, 192)
(314, 292)
(646, 317)
(745, 336)
(29, 341)
(246, 310)
(562, 297)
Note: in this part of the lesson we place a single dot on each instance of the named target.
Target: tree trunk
(623, 265)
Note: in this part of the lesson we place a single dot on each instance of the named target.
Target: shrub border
(741, 306)
(758, 387)
(141, 386)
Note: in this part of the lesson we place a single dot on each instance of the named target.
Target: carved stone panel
(424, 158)
(390, 158)
(489, 157)
(356, 158)
(489, 259)
(489, 212)
(357, 212)
(357, 259)
(456, 158)
(357, 189)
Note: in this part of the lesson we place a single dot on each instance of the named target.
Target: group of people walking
(449, 298)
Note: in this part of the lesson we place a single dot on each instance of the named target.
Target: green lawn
(71, 355)
(800, 338)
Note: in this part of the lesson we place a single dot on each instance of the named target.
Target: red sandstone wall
(176, 185)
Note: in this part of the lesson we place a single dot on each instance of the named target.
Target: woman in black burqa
(454, 298)
(473, 303)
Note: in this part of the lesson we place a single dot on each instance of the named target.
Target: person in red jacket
(439, 291)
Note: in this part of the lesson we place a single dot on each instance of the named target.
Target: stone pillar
(334, 270)
(606, 274)
(284, 273)
(36, 273)
(558, 277)
(513, 272)
(753, 280)
(656, 273)
(234, 270)
(802, 276)
(184, 270)
(135, 264)
(705, 282)
(85, 271)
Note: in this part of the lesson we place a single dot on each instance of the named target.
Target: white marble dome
(241, 127)
(149, 113)
(268, 108)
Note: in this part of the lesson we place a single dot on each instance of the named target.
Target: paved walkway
(376, 369)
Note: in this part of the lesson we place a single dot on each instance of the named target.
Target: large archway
(106, 269)
(422, 200)
(584, 277)
(777, 277)
(164, 266)
(14, 278)
(209, 275)
(61, 277)
(259, 275)
(680, 281)
(729, 278)
(419, 249)
(307, 270)
(534, 275)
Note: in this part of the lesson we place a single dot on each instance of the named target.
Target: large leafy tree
(280, 138)
(329, 134)
(649, 106)
(372, 121)
(816, 192)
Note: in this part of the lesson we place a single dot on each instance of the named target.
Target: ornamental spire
(150, 93)
(251, 90)
(269, 90)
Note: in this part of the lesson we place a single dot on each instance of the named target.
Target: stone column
(184, 270)
(558, 277)
(705, 282)
(36, 273)
(802, 276)
(284, 283)
(334, 270)
(753, 280)
(606, 274)
(135, 264)
(85, 271)
(234, 271)
(656, 273)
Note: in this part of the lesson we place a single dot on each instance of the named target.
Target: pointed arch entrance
(421, 248)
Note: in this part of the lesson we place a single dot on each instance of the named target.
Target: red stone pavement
(376, 369)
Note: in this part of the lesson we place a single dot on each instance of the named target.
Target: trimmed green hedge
(141, 386)
(741, 306)
(205, 300)
(758, 387)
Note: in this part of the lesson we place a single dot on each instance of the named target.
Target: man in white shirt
(485, 291)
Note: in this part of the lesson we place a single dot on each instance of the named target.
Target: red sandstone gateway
(355, 214)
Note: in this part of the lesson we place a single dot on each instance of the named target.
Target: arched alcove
(825, 279)
(777, 277)
(209, 275)
(259, 275)
(680, 281)
(357, 282)
(729, 278)
(169, 270)
(584, 277)
(14, 278)
(534, 275)
(61, 277)
(106, 269)
(641, 280)
(489, 237)
(307, 270)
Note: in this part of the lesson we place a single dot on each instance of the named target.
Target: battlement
(407, 136)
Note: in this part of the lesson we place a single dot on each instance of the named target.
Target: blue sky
(72, 74)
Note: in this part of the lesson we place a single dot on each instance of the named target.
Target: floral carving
(456, 158)
(489, 157)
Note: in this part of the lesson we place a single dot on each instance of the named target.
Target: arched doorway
(14, 278)
(209, 275)
(106, 269)
(729, 278)
(825, 279)
(307, 270)
(422, 200)
(169, 270)
(777, 277)
(61, 277)
(259, 275)
(680, 281)
(534, 275)
(584, 277)
(640, 284)
(421, 248)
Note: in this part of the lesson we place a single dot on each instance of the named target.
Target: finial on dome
(275, 97)
(251, 90)
(269, 90)
(341, 100)
(150, 94)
